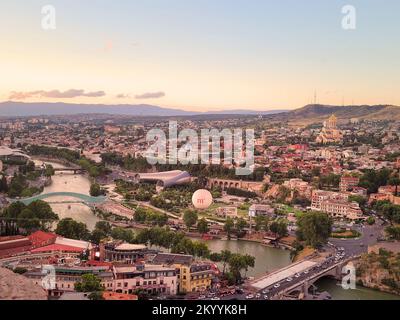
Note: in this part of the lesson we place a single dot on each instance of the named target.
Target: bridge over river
(82, 198)
(298, 277)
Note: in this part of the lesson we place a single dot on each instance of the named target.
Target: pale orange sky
(202, 56)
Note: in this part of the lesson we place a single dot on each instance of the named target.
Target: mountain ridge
(12, 108)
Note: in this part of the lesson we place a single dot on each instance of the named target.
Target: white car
(297, 275)
(258, 296)
(289, 279)
(216, 298)
(306, 272)
(265, 291)
(265, 297)
(277, 285)
(250, 296)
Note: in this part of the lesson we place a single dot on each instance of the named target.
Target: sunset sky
(201, 54)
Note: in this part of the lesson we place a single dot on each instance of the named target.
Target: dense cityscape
(196, 159)
(79, 202)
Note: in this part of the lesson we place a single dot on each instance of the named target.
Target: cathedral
(330, 133)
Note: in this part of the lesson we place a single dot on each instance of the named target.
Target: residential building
(347, 183)
(261, 210)
(153, 279)
(66, 277)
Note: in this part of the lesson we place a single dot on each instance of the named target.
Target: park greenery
(150, 217)
(26, 219)
(96, 190)
(70, 228)
(388, 210)
(136, 164)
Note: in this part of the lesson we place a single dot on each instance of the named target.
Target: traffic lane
(284, 284)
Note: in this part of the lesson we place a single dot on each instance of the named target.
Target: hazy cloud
(150, 95)
(72, 93)
(122, 96)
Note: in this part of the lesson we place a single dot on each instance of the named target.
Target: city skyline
(261, 55)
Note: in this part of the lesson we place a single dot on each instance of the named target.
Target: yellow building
(192, 276)
(196, 277)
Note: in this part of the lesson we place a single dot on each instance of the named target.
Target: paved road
(370, 235)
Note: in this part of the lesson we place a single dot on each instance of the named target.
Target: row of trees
(71, 156)
(147, 216)
(37, 215)
(278, 226)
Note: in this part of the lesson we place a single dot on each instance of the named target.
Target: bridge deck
(282, 274)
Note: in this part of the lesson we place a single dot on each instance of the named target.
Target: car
(289, 279)
(265, 291)
(306, 272)
(249, 296)
(266, 297)
(258, 296)
(216, 298)
(297, 275)
(277, 286)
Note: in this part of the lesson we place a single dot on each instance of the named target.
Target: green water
(267, 259)
(360, 293)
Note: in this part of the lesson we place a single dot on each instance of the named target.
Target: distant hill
(247, 112)
(11, 108)
(308, 114)
(317, 113)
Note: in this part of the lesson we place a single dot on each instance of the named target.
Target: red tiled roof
(57, 247)
(42, 237)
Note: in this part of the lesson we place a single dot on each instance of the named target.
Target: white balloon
(202, 199)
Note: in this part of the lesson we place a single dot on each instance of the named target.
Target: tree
(228, 226)
(28, 221)
(89, 283)
(393, 232)
(314, 228)
(49, 171)
(70, 228)
(371, 221)
(202, 226)
(225, 256)
(279, 227)
(95, 190)
(241, 224)
(37, 215)
(190, 218)
(260, 222)
(101, 230)
(3, 184)
(126, 235)
(372, 179)
(96, 295)
(362, 201)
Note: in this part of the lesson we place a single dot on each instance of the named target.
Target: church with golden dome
(330, 133)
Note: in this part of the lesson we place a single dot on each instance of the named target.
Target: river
(69, 182)
(267, 259)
